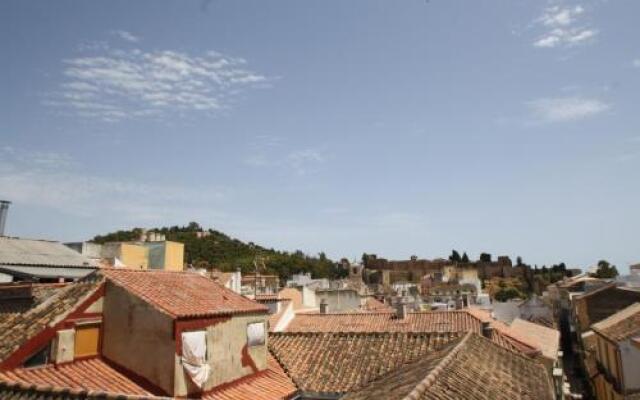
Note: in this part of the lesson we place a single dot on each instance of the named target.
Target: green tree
(605, 270)
(485, 257)
(507, 293)
(465, 258)
(455, 256)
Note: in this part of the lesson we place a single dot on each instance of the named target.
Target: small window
(40, 358)
(256, 334)
(87, 340)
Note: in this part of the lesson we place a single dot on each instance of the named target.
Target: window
(87, 340)
(39, 358)
(256, 334)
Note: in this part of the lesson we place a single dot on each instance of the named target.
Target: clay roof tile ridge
(424, 385)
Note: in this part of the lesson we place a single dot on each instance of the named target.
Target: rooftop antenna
(258, 263)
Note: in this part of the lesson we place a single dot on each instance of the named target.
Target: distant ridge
(214, 249)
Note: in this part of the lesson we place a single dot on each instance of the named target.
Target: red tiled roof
(17, 330)
(330, 363)
(93, 374)
(444, 321)
(439, 321)
(97, 378)
(475, 369)
(621, 325)
(271, 384)
(183, 294)
(266, 297)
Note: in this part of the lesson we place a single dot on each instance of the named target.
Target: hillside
(218, 250)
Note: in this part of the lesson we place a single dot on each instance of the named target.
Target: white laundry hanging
(194, 356)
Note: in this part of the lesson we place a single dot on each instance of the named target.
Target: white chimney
(4, 210)
(323, 306)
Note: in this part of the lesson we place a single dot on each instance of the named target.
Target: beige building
(125, 254)
(617, 344)
(162, 254)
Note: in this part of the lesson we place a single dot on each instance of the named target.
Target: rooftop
(98, 379)
(469, 320)
(182, 294)
(621, 325)
(473, 369)
(271, 384)
(88, 375)
(546, 339)
(17, 298)
(17, 251)
(18, 329)
(329, 363)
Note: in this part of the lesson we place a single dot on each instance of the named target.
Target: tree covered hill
(218, 250)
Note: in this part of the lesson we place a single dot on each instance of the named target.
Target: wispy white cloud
(269, 151)
(56, 181)
(117, 84)
(304, 161)
(560, 109)
(636, 63)
(126, 36)
(563, 28)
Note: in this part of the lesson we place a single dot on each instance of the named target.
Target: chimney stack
(487, 329)
(323, 306)
(401, 311)
(4, 209)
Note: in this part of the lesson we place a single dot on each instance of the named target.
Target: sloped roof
(95, 379)
(469, 320)
(182, 294)
(271, 384)
(473, 369)
(17, 298)
(17, 330)
(89, 375)
(621, 325)
(324, 363)
(441, 321)
(17, 251)
(46, 271)
(546, 339)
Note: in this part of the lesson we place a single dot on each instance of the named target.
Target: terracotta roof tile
(621, 325)
(93, 374)
(546, 339)
(473, 369)
(468, 320)
(182, 294)
(19, 298)
(324, 363)
(267, 297)
(444, 321)
(17, 330)
(272, 384)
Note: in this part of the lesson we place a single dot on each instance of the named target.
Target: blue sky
(394, 127)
